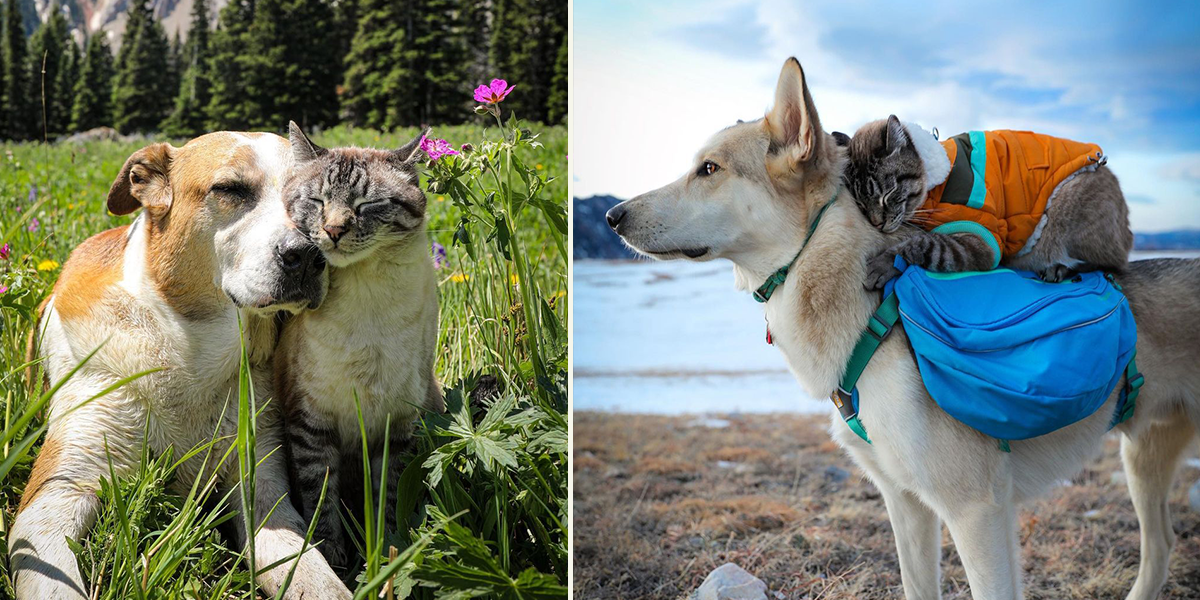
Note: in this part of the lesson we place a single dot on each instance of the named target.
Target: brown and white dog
(212, 245)
(751, 198)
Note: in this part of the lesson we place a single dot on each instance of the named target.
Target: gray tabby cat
(894, 167)
(375, 335)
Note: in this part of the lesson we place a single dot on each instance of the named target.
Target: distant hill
(593, 238)
(89, 16)
(1183, 239)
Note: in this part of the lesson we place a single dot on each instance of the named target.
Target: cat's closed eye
(371, 204)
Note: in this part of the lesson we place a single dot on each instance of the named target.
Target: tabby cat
(1044, 204)
(375, 336)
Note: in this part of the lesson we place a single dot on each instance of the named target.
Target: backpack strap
(1127, 401)
(845, 397)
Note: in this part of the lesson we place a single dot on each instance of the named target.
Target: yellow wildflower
(47, 265)
(539, 167)
(441, 198)
(514, 279)
(460, 277)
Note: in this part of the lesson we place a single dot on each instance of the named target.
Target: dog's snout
(297, 255)
(615, 215)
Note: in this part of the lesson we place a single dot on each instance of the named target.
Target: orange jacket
(1003, 180)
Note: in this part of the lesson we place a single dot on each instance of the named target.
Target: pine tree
(65, 86)
(46, 52)
(557, 109)
(17, 116)
(175, 64)
(312, 62)
(376, 67)
(477, 35)
(267, 90)
(141, 92)
(439, 83)
(93, 90)
(195, 89)
(230, 108)
(512, 54)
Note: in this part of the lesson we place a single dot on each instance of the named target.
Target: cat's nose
(335, 231)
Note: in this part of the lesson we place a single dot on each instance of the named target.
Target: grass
(482, 503)
(662, 501)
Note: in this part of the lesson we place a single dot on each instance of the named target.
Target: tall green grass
(481, 507)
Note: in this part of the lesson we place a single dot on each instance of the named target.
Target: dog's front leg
(282, 533)
(918, 532)
(60, 498)
(985, 534)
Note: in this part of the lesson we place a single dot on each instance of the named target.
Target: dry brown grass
(661, 501)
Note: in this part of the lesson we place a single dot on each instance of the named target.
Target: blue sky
(651, 80)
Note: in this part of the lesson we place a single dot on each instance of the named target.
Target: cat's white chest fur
(376, 335)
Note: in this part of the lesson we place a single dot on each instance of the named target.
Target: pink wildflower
(436, 148)
(3, 288)
(33, 224)
(5, 250)
(494, 93)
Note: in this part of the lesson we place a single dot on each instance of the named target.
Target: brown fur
(88, 274)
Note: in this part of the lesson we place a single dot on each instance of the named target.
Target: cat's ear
(411, 152)
(792, 121)
(895, 135)
(303, 149)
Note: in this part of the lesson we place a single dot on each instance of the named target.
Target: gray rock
(1194, 497)
(731, 582)
(1117, 478)
(836, 474)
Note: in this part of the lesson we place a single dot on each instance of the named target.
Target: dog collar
(764, 291)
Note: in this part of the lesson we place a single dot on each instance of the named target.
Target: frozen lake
(676, 337)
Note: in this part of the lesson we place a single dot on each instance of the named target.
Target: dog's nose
(615, 215)
(297, 255)
(335, 231)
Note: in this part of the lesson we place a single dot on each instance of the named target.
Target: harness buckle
(758, 295)
(874, 322)
(845, 402)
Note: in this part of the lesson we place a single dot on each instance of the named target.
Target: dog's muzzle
(302, 267)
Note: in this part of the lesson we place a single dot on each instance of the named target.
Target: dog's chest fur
(375, 335)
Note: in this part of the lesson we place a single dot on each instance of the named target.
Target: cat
(1049, 205)
(375, 335)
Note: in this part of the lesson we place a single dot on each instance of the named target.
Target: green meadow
(482, 504)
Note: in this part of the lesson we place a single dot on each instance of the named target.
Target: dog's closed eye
(233, 189)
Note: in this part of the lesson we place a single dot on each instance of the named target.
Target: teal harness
(879, 325)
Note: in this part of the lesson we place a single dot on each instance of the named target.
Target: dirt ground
(661, 501)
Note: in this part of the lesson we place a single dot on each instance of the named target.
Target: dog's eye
(233, 189)
(707, 168)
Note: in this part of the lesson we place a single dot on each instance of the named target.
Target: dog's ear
(840, 138)
(895, 135)
(793, 121)
(144, 181)
(407, 154)
(303, 149)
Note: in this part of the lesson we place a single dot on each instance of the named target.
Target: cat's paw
(880, 270)
(1056, 273)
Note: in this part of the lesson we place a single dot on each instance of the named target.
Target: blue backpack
(1005, 352)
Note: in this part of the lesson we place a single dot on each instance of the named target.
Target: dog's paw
(880, 270)
(1056, 273)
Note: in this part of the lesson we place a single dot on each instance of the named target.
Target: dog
(754, 191)
(212, 247)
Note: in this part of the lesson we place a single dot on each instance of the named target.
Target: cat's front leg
(952, 253)
(315, 454)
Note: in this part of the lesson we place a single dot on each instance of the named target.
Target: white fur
(376, 333)
(933, 155)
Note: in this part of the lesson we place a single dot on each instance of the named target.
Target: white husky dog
(753, 194)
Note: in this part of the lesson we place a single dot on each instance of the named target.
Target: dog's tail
(37, 385)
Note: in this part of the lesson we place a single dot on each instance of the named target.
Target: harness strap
(764, 291)
(1127, 401)
(845, 397)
